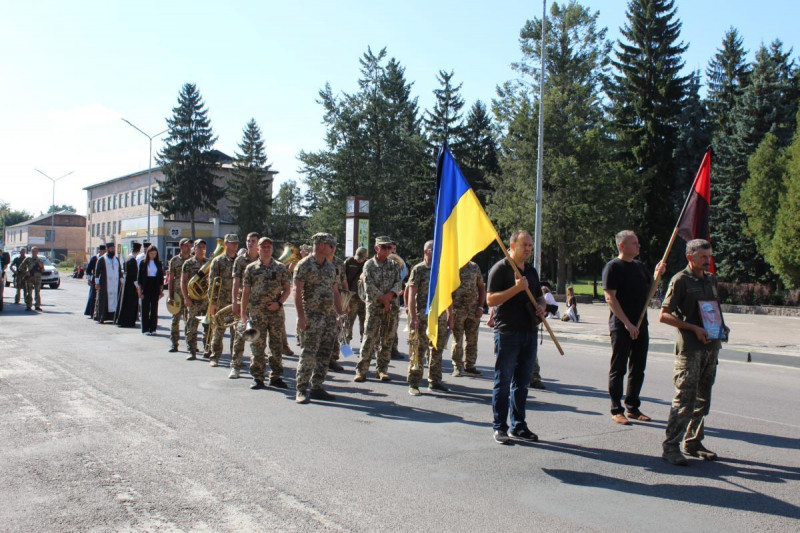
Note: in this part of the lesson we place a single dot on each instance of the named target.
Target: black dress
(129, 304)
(89, 311)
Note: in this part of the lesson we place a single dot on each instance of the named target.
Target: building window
(139, 196)
(91, 230)
(103, 205)
(126, 199)
(146, 195)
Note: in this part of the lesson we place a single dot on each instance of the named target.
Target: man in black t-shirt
(626, 283)
(515, 344)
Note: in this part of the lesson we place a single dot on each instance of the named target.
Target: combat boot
(321, 394)
(458, 371)
(674, 457)
(234, 373)
(192, 356)
(383, 376)
(302, 396)
(698, 450)
(413, 390)
(360, 378)
(472, 371)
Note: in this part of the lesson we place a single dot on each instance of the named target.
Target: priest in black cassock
(107, 284)
(129, 304)
(89, 311)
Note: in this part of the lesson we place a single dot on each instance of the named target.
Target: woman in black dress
(150, 285)
(128, 310)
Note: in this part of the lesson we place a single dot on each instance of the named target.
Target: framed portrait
(711, 315)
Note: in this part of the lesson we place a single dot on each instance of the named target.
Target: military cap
(262, 240)
(200, 241)
(184, 241)
(361, 253)
(323, 238)
(383, 239)
(231, 237)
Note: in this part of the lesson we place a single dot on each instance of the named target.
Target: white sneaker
(234, 373)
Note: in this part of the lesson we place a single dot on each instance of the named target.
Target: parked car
(51, 277)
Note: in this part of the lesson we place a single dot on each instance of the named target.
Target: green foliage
(286, 224)
(188, 160)
(762, 191)
(249, 186)
(9, 217)
(374, 148)
(728, 73)
(478, 153)
(58, 208)
(785, 252)
(647, 96)
(575, 219)
(444, 123)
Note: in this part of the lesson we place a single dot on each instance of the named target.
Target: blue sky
(72, 70)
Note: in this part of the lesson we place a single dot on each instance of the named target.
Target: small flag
(693, 223)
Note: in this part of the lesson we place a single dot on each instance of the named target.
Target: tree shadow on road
(739, 497)
(762, 439)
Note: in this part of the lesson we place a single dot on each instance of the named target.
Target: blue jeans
(515, 354)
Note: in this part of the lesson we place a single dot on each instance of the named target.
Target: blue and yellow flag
(462, 229)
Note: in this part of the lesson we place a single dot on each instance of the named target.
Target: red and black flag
(693, 223)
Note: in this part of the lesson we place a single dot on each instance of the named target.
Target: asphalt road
(104, 430)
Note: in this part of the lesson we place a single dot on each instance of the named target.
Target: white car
(51, 277)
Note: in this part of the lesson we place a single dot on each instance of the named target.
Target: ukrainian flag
(462, 230)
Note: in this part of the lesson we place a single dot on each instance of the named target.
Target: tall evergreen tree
(188, 161)
(647, 95)
(574, 178)
(785, 251)
(727, 74)
(479, 152)
(761, 108)
(249, 187)
(444, 123)
(287, 221)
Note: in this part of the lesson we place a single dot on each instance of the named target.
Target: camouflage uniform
(266, 284)
(285, 348)
(465, 323)
(378, 334)
(420, 278)
(191, 267)
(238, 342)
(320, 335)
(695, 366)
(175, 266)
(221, 267)
(32, 269)
(341, 280)
(356, 309)
(18, 276)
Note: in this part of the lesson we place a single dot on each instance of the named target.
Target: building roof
(44, 217)
(222, 158)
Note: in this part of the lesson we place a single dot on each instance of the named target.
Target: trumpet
(198, 285)
(250, 334)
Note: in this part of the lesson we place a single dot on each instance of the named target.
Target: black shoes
(173, 349)
(258, 384)
(500, 436)
(437, 387)
(322, 394)
(524, 434)
(336, 367)
(538, 385)
(278, 383)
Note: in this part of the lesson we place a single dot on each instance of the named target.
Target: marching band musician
(265, 287)
(250, 255)
(418, 284)
(194, 308)
(175, 265)
(222, 269)
(317, 301)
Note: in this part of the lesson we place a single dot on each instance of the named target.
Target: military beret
(383, 239)
(323, 238)
(231, 237)
(262, 240)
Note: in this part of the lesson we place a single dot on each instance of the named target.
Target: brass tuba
(224, 318)
(198, 285)
(290, 254)
(175, 307)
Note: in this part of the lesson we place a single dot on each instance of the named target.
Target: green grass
(585, 286)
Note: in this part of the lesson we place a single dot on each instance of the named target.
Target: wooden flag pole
(530, 295)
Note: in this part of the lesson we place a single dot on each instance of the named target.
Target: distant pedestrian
(90, 268)
(129, 303)
(150, 285)
(107, 283)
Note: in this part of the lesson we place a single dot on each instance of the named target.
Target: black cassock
(129, 305)
(89, 311)
(103, 311)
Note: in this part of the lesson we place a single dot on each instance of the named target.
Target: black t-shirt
(352, 271)
(517, 313)
(632, 282)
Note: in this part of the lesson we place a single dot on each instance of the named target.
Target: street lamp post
(53, 208)
(149, 170)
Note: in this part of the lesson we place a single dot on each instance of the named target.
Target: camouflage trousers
(423, 345)
(378, 335)
(465, 327)
(393, 325)
(357, 310)
(271, 327)
(238, 346)
(318, 342)
(20, 285)
(693, 375)
(33, 287)
(192, 322)
(175, 326)
(285, 339)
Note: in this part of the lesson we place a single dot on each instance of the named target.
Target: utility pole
(149, 171)
(53, 208)
(537, 240)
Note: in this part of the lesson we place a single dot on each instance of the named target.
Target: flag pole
(657, 276)
(530, 295)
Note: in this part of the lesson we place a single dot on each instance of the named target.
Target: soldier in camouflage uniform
(251, 254)
(265, 286)
(318, 308)
(305, 250)
(222, 269)
(194, 309)
(175, 266)
(341, 282)
(696, 353)
(18, 276)
(32, 268)
(418, 284)
(353, 267)
(383, 285)
(466, 311)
